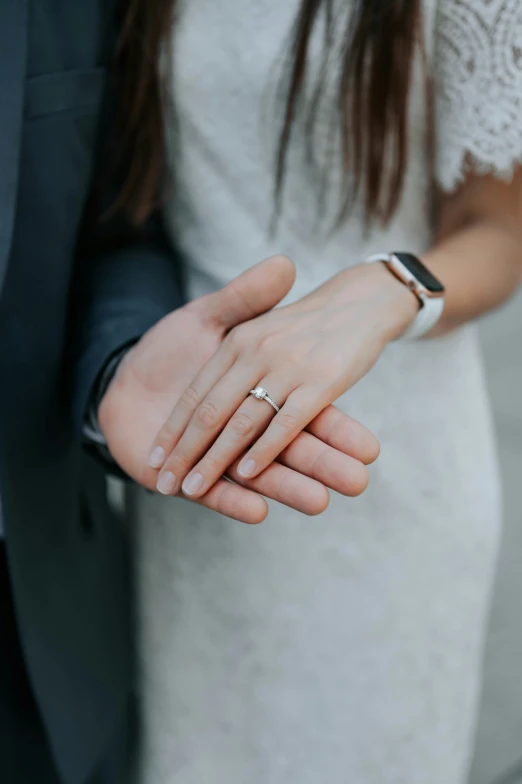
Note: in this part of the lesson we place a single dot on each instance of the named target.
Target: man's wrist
(92, 431)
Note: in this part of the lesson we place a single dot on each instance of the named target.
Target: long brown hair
(380, 40)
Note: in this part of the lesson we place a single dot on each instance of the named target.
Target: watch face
(419, 271)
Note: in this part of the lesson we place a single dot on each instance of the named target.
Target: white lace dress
(342, 649)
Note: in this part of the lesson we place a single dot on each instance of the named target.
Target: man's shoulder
(66, 36)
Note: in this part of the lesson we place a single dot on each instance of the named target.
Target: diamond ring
(262, 394)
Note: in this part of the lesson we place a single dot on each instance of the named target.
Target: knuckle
(288, 421)
(318, 464)
(241, 299)
(178, 464)
(267, 343)
(209, 465)
(281, 495)
(236, 338)
(190, 398)
(223, 503)
(165, 436)
(207, 414)
(242, 424)
(329, 369)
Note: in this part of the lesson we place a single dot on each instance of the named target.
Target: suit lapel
(13, 55)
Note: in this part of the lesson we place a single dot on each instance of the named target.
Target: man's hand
(155, 373)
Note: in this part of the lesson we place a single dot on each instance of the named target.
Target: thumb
(253, 292)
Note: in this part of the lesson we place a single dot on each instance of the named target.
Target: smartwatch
(429, 291)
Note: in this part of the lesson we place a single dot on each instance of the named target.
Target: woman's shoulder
(478, 88)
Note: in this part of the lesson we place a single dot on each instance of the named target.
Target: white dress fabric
(345, 648)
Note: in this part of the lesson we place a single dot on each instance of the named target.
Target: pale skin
(333, 453)
(307, 354)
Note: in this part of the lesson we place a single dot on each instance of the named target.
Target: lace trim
(478, 89)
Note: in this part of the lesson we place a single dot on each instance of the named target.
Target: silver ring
(262, 394)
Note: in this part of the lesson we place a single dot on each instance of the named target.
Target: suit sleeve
(126, 281)
(126, 278)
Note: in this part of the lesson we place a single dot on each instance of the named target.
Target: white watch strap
(426, 318)
(431, 307)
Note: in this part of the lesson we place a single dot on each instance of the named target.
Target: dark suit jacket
(66, 552)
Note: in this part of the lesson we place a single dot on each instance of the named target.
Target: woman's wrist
(394, 306)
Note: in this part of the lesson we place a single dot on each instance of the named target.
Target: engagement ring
(262, 394)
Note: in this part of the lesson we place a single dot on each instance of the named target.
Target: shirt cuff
(92, 434)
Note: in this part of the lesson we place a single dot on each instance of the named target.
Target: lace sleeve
(478, 89)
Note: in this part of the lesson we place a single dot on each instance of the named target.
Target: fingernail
(166, 483)
(157, 457)
(192, 484)
(247, 469)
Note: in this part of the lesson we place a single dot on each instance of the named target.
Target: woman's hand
(305, 355)
(154, 374)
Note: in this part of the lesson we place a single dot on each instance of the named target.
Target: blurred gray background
(498, 754)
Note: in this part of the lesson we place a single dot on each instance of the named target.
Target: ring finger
(250, 419)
